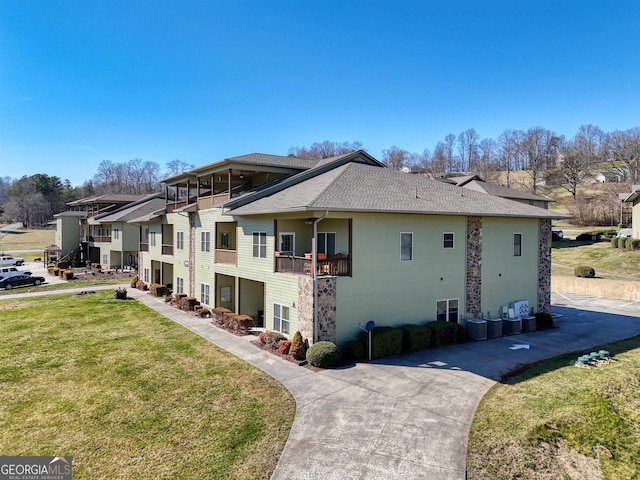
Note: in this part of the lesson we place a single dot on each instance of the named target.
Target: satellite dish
(370, 325)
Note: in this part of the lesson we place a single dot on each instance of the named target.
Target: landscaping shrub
(67, 274)
(615, 242)
(443, 333)
(543, 320)
(273, 338)
(157, 290)
(323, 354)
(227, 319)
(262, 337)
(298, 348)
(242, 323)
(134, 282)
(120, 293)
(353, 349)
(203, 312)
(385, 341)
(631, 243)
(283, 347)
(415, 338)
(585, 272)
(462, 337)
(187, 303)
(217, 314)
(141, 285)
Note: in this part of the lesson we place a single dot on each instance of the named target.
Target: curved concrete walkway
(406, 417)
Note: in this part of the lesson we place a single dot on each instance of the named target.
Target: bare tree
(439, 158)
(488, 150)
(451, 163)
(623, 152)
(395, 158)
(176, 167)
(468, 149)
(540, 147)
(326, 149)
(510, 151)
(573, 167)
(133, 177)
(26, 204)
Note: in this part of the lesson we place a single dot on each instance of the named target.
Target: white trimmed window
(281, 318)
(180, 241)
(260, 244)
(179, 285)
(204, 293)
(152, 239)
(448, 239)
(205, 241)
(287, 242)
(447, 310)
(116, 233)
(146, 275)
(517, 244)
(105, 259)
(406, 246)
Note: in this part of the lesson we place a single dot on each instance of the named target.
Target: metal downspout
(314, 269)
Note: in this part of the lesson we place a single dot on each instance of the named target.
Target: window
(326, 243)
(406, 247)
(179, 285)
(180, 241)
(116, 233)
(146, 275)
(204, 293)
(447, 239)
(205, 241)
(517, 244)
(447, 310)
(287, 242)
(281, 318)
(105, 259)
(152, 239)
(260, 244)
(224, 240)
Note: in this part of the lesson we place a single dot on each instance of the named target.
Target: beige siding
(393, 292)
(635, 219)
(506, 278)
(180, 256)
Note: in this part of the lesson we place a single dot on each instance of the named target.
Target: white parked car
(7, 261)
(624, 233)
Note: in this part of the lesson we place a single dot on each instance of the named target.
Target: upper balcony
(339, 266)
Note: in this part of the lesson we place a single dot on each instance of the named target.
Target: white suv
(6, 261)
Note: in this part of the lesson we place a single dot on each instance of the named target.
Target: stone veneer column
(474, 267)
(326, 308)
(544, 266)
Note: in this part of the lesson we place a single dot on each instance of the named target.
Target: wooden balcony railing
(336, 266)
(101, 239)
(211, 201)
(167, 249)
(229, 257)
(170, 207)
(144, 247)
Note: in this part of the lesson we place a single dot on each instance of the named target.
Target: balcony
(229, 257)
(167, 249)
(339, 266)
(100, 239)
(144, 247)
(212, 200)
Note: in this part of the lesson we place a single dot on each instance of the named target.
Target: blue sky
(85, 81)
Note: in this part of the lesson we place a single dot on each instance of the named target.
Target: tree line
(541, 152)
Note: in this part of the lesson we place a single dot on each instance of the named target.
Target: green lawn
(130, 394)
(606, 260)
(26, 240)
(560, 421)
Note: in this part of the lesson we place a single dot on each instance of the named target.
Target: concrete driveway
(407, 417)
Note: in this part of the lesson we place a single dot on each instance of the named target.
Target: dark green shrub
(298, 348)
(585, 272)
(543, 320)
(462, 335)
(120, 293)
(614, 242)
(203, 312)
(323, 354)
(353, 349)
(415, 338)
(443, 333)
(632, 244)
(385, 341)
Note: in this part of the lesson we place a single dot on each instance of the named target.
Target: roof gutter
(314, 269)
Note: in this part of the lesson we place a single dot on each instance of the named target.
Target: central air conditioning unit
(520, 308)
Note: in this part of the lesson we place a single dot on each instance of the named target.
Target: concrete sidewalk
(406, 417)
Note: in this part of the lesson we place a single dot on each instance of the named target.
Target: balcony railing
(212, 200)
(336, 266)
(167, 249)
(230, 257)
(144, 247)
(170, 207)
(100, 239)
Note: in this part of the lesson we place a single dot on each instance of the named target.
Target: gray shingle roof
(139, 209)
(365, 188)
(500, 191)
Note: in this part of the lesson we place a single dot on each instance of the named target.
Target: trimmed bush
(543, 320)
(415, 338)
(386, 341)
(283, 347)
(242, 323)
(134, 281)
(67, 274)
(632, 244)
(262, 337)
(443, 333)
(462, 337)
(120, 293)
(141, 285)
(217, 314)
(615, 242)
(353, 349)
(157, 290)
(203, 312)
(585, 272)
(323, 354)
(298, 348)
(187, 303)
(273, 338)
